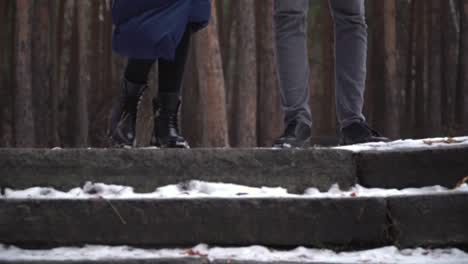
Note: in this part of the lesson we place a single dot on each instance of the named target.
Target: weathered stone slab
(332, 223)
(412, 167)
(147, 169)
(430, 221)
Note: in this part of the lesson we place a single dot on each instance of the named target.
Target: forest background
(59, 77)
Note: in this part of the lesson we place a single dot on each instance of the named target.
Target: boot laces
(372, 131)
(174, 122)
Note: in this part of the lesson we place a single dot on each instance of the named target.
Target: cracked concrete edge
(412, 167)
(429, 220)
(146, 169)
(406, 221)
(338, 224)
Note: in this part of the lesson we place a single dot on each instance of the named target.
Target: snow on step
(428, 143)
(384, 255)
(200, 189)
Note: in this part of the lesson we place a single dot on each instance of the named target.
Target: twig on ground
(448, 140)
(114, 209)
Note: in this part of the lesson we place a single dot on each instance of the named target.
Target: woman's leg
(124, 112)
(172, 72)
(168, 102)
(137, 70)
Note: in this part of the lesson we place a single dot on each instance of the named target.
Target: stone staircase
(429, 220)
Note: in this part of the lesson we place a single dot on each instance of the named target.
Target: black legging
(170, 72)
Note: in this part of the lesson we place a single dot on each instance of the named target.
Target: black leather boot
(124, 114)
(166, 127)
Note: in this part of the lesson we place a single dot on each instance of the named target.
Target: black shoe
(124, 114)
(358, 133)
(296, 135)
(166, 124)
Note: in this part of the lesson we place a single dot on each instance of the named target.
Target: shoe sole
(305, 144)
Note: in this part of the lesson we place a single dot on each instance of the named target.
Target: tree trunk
(314, 42)
(220, 19)
(410, 87)
(95, 93)
(462, 86)
(71, 69)
(42, 67)
(191, 112)
(230, 51)
(59, 79)
(269, 111)
(449, 63)
(55, 10)
(435, 58)
(109, 90)
(23, 109)
(328, 121)
(4, 105)
(244, 125)
(211, 81)
(84, 81)
(392, 126)
(420, 68)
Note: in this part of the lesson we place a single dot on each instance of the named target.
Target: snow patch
(428, 143)
(384, 255)
(200, 189)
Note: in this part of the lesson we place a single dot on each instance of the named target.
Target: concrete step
(407, 168)
(296, 170)
(345, 223)
(147, 169)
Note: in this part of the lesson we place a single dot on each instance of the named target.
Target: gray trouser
(351, 51)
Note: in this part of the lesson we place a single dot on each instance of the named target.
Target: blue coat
(151, 29)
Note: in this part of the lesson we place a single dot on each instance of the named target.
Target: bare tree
(41, 72)
(84, 79)
(450, 64)
(56, 28)
(269, 112)
(4, 8)
(392, 127)
(435, 59)
(212, 89)
(420, 68)
(191, 110)
(328, 114)
(23, 109)
(462, 86)
(244, 122)
(409, 87)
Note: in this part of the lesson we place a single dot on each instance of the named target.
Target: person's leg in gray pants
(351, 56)
(291, 44)
(290, 18)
